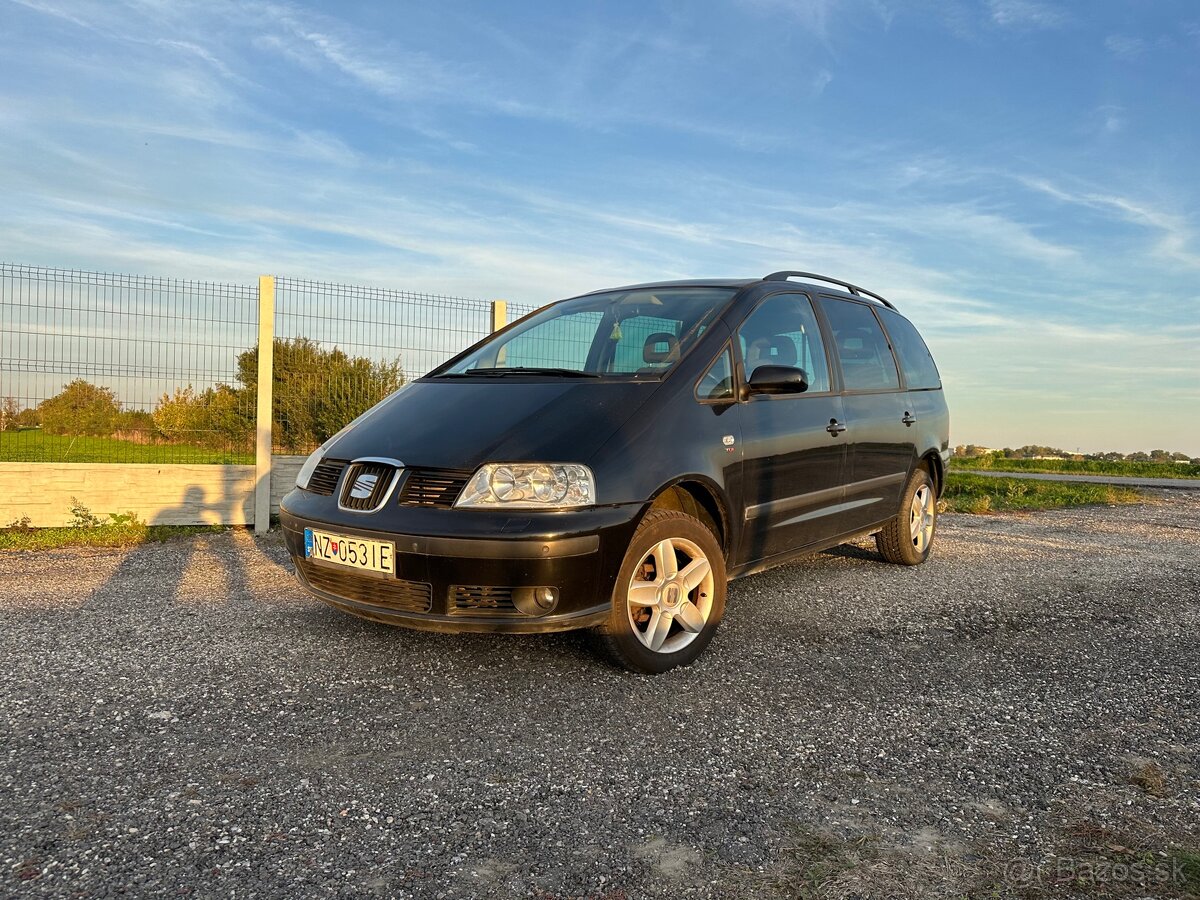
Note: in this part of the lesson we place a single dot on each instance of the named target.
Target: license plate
(351, 552)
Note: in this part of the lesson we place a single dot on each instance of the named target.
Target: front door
(793, 457)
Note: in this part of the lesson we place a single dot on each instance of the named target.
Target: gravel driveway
(179, 719)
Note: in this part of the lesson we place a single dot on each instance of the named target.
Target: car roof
(844, 290)
(687, 282)
(738, 283)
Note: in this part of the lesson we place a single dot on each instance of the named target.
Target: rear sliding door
(880, 445)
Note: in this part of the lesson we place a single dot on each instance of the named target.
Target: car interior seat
(772, 350)
(660, 350)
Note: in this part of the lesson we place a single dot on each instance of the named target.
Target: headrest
(660, 347)
(853, 347)
(775, 350)
(783, 351)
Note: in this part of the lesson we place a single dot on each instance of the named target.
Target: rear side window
(916, 362)
(867, 363)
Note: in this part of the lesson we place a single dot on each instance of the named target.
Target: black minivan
(611, 460)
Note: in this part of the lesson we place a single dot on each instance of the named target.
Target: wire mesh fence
(340, 349)
(99, 367)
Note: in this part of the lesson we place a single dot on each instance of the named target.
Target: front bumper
(459, 570)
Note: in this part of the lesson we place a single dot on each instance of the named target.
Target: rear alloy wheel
(669, 596)
(908, 538)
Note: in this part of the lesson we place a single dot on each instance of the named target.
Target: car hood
(463, 424)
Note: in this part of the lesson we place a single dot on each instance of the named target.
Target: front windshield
(639, 333)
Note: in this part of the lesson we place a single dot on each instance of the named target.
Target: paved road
(1181, 484)
(179, 720)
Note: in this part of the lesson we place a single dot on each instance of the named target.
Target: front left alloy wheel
(669, 596)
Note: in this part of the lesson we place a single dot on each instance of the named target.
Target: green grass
(1078, 467)
(98, 536)
(982, 494)
(35, 446)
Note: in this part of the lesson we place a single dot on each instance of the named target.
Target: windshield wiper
(501, 372)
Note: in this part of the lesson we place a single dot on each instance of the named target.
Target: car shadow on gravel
(567, 650)
(853, 551)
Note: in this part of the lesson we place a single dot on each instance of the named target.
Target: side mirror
(778, 380)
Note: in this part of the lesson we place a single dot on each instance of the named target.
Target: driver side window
(783, 331)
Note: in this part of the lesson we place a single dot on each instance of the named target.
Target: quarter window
(867, 363)
(717, 383)
(783, 331)
(920, 372)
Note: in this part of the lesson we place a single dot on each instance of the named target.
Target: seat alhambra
(612, 460)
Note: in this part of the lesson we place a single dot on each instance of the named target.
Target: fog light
(535, 601)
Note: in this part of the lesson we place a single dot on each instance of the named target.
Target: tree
(82, 408)
(181, 415)
(215, 416)
(317, 391)
(10, 411)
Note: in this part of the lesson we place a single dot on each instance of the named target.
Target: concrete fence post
(499, 314)
(264, 414)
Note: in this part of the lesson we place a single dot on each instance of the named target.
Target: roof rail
(852, 288)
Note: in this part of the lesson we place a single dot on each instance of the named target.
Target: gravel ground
(179, 719)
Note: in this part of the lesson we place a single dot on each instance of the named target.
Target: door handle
(835, 427)
(908, 419)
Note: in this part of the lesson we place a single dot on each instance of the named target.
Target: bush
(135, 425)
(81, 408)
(182, 414)
(317, 391)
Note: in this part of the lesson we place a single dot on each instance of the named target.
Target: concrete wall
(159, 494)
(284, 470)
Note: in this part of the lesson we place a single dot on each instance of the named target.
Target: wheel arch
(933, 464)
(699, 497)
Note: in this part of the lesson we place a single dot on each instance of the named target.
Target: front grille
(482, 600)
(366, 484)
(325, 476)
(385, 593)
(434, 487)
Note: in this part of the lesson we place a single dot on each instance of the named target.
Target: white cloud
(1025, 14)
(307, 40)
(1113, 118)
(1124, 46)
(821, 81)
(811, 15)
(1176, 237)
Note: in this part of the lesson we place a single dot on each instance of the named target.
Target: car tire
(669, 596)
(908, 538)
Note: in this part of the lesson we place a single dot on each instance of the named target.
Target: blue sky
(1018, 176)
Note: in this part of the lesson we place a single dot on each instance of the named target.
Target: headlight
(310, 466)
(529, 486)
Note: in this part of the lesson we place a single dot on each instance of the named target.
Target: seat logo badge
(363, 486)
